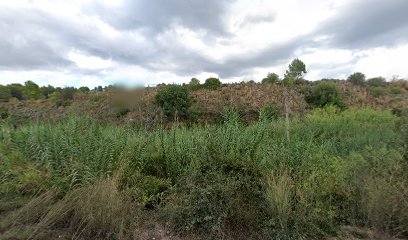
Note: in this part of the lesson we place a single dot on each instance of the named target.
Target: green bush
(3, 112)
(395, 90)
(357, 78)
(376, 82)
(217, 194)
(377, 91)
(212, 84)
(323, 94)
(271, 78)
(174, 100)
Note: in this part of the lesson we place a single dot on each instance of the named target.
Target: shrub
(174, 100)
(218, 193)
(271, 78)
(3, 112)
(357, 78)
(395, 90)
(377, 91)
(325, 93)
(212, 84)
(376, 82)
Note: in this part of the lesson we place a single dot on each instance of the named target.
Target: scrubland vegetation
(80, 179)
(207, 161)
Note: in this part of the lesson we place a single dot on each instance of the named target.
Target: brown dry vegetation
(137, 106)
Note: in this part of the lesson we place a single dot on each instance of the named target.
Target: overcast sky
(90, 42)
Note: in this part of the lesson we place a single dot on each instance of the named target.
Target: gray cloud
(34, 39)
(25, 42)
(155, 16)
(367, 23)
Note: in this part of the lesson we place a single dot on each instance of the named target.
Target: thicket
(323, 94)
(80, 179)
(174, 100)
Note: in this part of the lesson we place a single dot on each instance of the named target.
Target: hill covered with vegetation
(282, 159)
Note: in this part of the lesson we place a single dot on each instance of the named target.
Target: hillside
(138, 107)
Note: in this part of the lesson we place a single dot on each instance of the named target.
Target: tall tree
(296, 70)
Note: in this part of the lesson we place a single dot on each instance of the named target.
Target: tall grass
(218, 179)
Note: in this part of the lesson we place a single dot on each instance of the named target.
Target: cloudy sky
(99, 42)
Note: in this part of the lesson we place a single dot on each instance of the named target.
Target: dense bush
(271, 78)
(174, 100)
(323, 94)
(357, 78)
(376, 82)
(212, 83)
(377, 91)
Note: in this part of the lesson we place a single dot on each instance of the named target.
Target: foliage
(31, 90)
(212, 84)
(395, 90)
(269, 112)
(88, 180)
(271, 78)
(174, 100)
(377, 91)
(3, 112)
(376, 82)
(194, 84)
(357, 78)
(84, 89)
(296, 70)
(323, 94)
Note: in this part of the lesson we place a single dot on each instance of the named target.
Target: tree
(212, 83)
(84, 89)
(46, 91)
(67, 93)
(271, 78)
(16, 90)
(325, 93)
(357, 78)
(4, 94)
(31, 90)
(174, 100)
(194, 83)
(296, 70)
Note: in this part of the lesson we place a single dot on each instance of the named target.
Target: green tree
(174, 100)
(5, 94)
(212, 83)
(357, 78)
(296, 70)
(31, 90)
(46, 91)
(84, 89)
(271, 78)
(16, 90)
(194, 84)
(325, 93)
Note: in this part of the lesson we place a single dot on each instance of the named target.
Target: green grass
(340, 168)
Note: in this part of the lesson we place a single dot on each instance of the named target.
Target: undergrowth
(78, 179)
